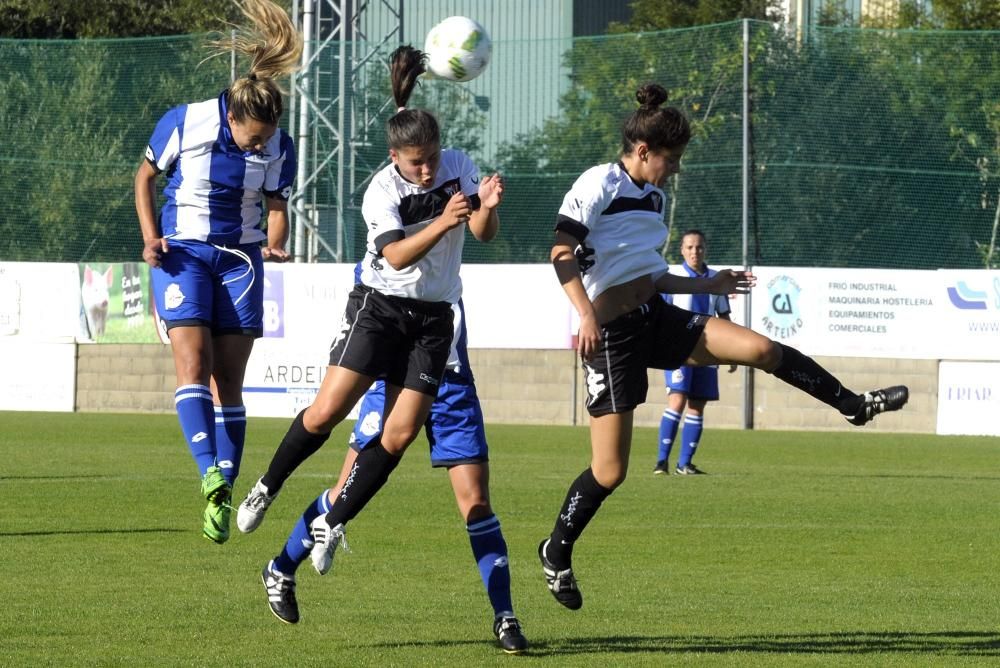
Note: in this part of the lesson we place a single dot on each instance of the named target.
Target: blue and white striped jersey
(394, 208)
(214, 189)
(618, 225)
(701, 303)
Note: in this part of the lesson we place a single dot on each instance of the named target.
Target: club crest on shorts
(172, 296)
(595, 384)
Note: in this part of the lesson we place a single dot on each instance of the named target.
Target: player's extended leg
(470, 483)
(278, 575)
(192, 349)
(193, 359)
(231, 352)
(690, 436)
(725, 341)
(611, 441)
(405, 413)
(338, 393)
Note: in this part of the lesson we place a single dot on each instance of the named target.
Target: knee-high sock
(300, 540)
(371, 470)
(690, 436)
(230, 435)
(197, 417)
(668, 432)
(804, 373)
(490, 550)
(583, 499)
(297, 446)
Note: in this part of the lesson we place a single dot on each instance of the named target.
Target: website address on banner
(985, 327)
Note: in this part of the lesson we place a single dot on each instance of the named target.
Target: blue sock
(689, 439)
(230, 434)
(197, 417)
(300, 540)
(490, 550)
(668, 431)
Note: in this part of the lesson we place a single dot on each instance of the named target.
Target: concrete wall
(537, 387)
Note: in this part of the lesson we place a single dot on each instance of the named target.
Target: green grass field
(798, 549)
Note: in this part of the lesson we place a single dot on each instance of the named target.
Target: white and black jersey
(394, 208)
(619, 227)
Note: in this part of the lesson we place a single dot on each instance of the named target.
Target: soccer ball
(457, 49)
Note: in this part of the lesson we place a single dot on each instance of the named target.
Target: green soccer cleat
(214, 487)
(216, 517)
(217, 513)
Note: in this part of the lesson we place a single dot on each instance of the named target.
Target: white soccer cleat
(251, 511)
(326, 539)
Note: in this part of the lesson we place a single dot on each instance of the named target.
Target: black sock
(804, 373)
(298, 445)
(583, 499)
(370, 471)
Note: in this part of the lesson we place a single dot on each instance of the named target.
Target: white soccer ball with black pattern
(458, 49)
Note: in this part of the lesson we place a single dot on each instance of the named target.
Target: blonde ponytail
(274, 48)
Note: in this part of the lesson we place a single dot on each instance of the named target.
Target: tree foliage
(72, 19)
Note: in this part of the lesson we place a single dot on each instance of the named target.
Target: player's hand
(153, 250)
(274, 254)
(588, 340)
(728, 281)
(733, 368)
(491, 191)
(457, 210)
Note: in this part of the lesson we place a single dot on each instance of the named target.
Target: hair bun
(651, 95)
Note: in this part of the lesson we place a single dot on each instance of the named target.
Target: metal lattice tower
(329, 118)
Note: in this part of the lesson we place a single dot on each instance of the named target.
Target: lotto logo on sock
(199, 437)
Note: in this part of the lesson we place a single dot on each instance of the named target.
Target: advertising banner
(39, 301)
(850, 313)
(969, 319)
(969, 398)
(38, 376)
(115, 303)
(303, 304)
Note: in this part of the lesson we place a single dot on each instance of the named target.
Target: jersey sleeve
(380, 209)
(281, 172)
(582, 206)
(165, 145)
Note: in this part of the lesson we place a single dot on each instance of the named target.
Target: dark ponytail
(659, 127)
(409, 127)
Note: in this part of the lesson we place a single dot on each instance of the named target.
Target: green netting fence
(867, 148)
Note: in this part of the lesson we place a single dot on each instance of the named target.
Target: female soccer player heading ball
(608, 233)
(222, 159)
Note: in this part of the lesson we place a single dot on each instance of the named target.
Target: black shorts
(404, 341)
(656, 335)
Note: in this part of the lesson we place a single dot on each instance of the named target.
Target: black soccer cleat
(879, 401)
(509, 635)
(280, 590)
(661, 467)
(561, 583)
(688, 469)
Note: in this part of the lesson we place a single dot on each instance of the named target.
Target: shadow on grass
(72, 532)
(946, 643)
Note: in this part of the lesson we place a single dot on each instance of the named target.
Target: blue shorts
(454, 427)
(697, 382)
(217, 287)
